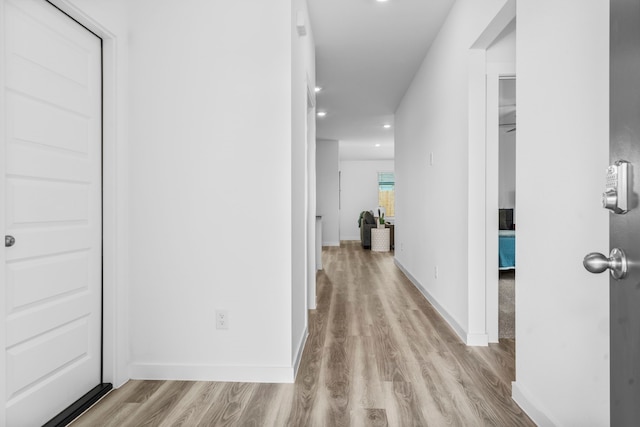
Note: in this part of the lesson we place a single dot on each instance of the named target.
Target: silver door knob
(9, 241)
(616, 263)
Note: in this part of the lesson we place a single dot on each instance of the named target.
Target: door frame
(114, 198)
(310, 132)
(482, 258)
(495, 73)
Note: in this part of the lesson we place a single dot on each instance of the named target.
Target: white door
(52, 182)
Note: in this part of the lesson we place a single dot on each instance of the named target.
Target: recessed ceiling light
(381, 1)
(318, 89)
(377, 145)
(322, 113)
(387, 126)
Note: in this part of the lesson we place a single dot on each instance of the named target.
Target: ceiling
(367, 53)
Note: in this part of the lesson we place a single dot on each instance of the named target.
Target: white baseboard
(299, 351)
(330, 243)
(350, 238)
(459, 330)
(521, 397)
(477, 340)
(223, 373)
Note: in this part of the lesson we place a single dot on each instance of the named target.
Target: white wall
(562, 324)
(211, 189)
(328, 189)
(359, 192)
(432, 199)
(507, 161)
(499, 54)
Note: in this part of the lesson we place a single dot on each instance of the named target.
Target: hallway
(377, 354)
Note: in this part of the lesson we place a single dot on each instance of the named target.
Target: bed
(507, 249)
(507, 240)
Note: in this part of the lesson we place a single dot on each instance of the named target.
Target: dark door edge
(79, 406)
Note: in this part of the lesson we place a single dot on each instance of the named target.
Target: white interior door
(52, 179)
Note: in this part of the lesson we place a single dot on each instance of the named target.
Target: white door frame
(482, 257)
(495, 72)
(114, 324)
(114, 197)
(310, 127)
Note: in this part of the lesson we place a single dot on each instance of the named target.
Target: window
(387, 193)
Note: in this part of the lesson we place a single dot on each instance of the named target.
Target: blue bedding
(507, 249)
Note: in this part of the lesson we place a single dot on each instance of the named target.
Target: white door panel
(34, 280)
(50, 241)
(44, 202)
(64, 345)
(52, 313)
(37, 122)
(52, 183)
(55, 166)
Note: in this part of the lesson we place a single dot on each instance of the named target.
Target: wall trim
(300, 351)
(459, 330)
(330, 243)
(222, 373)
(521, 397)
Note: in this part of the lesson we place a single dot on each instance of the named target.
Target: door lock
(617, 191)
(596, 262)
(9, 241)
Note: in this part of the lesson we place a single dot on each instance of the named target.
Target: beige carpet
(507, 303)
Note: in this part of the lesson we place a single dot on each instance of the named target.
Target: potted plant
(381, 223)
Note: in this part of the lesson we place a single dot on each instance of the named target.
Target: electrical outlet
(222, 319)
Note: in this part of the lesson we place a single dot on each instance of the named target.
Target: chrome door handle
(596, 262)
(9, 241)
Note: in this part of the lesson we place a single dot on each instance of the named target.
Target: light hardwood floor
(378, 354)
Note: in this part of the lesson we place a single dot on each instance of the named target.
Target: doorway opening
(506, 207)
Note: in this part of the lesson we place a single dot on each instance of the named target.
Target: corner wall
(562, 311)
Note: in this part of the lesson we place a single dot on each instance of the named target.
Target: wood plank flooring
(378, 354)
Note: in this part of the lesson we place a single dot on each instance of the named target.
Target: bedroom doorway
(499, 108)
(506, 206)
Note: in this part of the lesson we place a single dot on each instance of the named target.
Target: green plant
(381, 218)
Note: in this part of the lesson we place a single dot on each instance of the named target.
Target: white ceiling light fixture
(318, 89)
(381, 1)
(387, 126)
(377, 145)
(322, 113)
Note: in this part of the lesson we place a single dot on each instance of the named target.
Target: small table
(380, 239)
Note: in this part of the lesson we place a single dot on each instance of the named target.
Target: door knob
(9, 241)
(616, 263)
